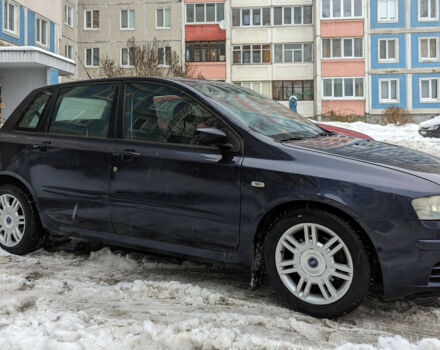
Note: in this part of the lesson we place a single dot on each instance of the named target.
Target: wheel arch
(265, 223)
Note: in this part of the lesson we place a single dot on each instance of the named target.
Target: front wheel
(317, 263)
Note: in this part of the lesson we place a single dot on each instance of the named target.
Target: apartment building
(405, 56)
(29, 38)
(205, 38)
(273, 49)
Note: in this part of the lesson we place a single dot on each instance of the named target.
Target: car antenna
(82, 64)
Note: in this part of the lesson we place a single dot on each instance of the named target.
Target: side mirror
(212, 136)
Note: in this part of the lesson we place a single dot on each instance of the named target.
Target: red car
(343, 131)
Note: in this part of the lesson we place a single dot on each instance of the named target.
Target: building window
(292, 15)
(341, 8)
(127, 19)
(251, 54)
(388, 50)
(428, 10)
(429, 90)
(205, 51)
(388, 90)
(428, 49)
(246, 17)
(256, 86)
(92, 57)
(68, 16)
(164, 56)
(126, 57)
(302, 89)
(163, 18)
(205, 13)
(91, 19)
(42, 31)
(387, 10)
(293, 53)
(68, 51)
(343, 48)
(343, 88)
(11, 17)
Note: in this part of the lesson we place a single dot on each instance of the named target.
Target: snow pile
(430, 122)
(405, 135)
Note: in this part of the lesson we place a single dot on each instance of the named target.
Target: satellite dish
(222, 25)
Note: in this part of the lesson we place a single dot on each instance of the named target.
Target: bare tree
(148, 59)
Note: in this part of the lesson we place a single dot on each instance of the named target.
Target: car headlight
(427, 208)
(434, 127)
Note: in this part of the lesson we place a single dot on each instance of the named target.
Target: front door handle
(127, 154)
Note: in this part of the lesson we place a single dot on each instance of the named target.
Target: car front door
(70, 163)
(165, 187)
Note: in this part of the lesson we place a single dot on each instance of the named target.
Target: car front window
(259, 113)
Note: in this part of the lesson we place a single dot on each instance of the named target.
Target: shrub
(347, 118)
(396, 115)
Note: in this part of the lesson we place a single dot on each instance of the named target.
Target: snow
(405, 135)
(109, 299)
(431, 122)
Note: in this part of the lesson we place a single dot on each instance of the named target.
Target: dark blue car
(217, 172)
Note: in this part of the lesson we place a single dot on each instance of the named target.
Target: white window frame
(128, 19)
(91, 18)
(68, 51)
(128, 65)
(284, 49)
(343, 97)
(251, 85)
(342, 57)
(388, 20)
(429, 99)
(427, 19)
(251, 54)
(92, 54)
(292, 16)
(42, 19)
(429, 59)
(389, 100)
(68, 16)
(16, 31)
(164, 9)
(388, 60)
(252, 18)
(165, 65)
(342, 10)
(193, 4)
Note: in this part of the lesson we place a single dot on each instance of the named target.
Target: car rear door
(164, 186)
(68, 164)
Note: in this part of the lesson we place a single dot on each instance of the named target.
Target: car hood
(391, 156)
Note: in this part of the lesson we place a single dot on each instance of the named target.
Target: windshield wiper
(291, 138)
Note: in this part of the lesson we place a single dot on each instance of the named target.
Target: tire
(336, 258)
(22, 216)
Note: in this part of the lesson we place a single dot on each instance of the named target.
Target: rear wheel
(317, 263)
(20, 232)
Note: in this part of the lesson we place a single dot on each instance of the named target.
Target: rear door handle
(44, 146)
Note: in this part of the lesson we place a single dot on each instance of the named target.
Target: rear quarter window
(31, 117)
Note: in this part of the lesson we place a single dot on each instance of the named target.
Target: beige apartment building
(95, 29)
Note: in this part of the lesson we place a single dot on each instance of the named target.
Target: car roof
(180, 81)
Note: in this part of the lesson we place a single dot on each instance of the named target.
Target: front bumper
(409, 255)
(429, 133)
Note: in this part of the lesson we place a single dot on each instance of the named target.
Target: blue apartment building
(28, 56)
(404, 67)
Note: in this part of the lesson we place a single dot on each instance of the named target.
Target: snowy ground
(78, 299)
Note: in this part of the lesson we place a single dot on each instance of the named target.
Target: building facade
(29, 39)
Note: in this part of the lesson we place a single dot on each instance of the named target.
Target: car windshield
(259, 113)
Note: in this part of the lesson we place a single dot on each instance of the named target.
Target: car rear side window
(83, 110)
(32, 115)
(159, 113)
